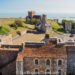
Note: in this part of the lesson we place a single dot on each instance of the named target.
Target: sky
(46, 6)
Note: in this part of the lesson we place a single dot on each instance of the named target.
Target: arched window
(36, 61)
(48, 62)
(59, 62)
(36, 72)
(59, 72)
(47, 72)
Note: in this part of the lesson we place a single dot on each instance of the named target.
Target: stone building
(43, 25)
(71, 60)
(31, 13)
(68, 26)
(42, 59)
(8, 61)
(32, 16)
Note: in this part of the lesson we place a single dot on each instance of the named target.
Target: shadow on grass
(35, 32)
(61, 30)
(29, 27)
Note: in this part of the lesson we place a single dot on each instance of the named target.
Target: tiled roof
(48, 50)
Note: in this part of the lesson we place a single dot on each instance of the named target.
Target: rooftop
(9, 49)
(47, 50)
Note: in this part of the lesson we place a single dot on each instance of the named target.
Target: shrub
(18, 23)
(18, 32)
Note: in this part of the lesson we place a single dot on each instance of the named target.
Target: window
(48, 62)
(59, 72)
(36, 72)
(36, 62)
(59, 62)
(47, 72)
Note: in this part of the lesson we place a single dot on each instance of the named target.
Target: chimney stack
(46, 36)
(23, 46)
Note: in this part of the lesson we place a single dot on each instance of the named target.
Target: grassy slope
(56, 27)
(6, 29)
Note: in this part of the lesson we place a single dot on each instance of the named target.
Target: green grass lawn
(4, 30)
(56, 27)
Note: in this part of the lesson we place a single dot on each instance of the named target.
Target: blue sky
(47, 6)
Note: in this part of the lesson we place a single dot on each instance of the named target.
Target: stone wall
(7, 62)
(29, 66)
(71, 61)
(9, 69)
(19, 68)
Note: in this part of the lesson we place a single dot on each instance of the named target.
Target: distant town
(37, 45)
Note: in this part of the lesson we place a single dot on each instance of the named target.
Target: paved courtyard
(28, 38)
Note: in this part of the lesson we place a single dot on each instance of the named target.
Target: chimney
(46, 40)
(23, 46)
(46, 36)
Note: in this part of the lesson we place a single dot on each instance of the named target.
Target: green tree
(73, 25)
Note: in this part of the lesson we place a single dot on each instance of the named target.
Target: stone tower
(31, 13)
(43, 19)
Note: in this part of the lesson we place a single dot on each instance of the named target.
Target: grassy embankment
(5, 27)
(56, 27)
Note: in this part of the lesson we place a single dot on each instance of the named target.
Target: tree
(63, 23)
(73, 25)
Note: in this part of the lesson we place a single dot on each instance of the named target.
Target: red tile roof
(48, 50)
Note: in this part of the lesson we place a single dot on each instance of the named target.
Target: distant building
(43, 25)
(31, 16)
(31, 13)
(6, 39)
(68, 26)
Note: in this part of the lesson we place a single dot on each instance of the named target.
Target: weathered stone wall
(9, 69)
(19, 68)
(29, 66)
(7, 62)
(71, 61)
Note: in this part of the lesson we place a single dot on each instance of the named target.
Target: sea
(58, 16)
